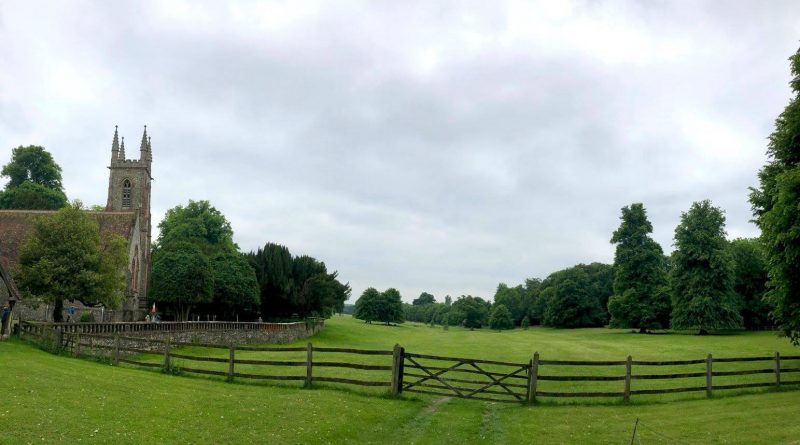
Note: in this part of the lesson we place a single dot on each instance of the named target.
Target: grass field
(50, 398)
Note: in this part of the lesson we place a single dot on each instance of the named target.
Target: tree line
(708, 283)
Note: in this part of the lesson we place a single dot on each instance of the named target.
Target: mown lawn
(57, 399)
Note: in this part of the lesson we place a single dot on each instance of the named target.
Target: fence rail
(431, 374)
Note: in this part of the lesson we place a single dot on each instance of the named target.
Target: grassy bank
(56, 399)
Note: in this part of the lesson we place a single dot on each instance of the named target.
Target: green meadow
(60, 399)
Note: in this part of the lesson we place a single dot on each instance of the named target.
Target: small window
(126, 193)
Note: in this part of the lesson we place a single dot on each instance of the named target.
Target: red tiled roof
(15, 225)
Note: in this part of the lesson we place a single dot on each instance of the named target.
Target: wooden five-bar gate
(429, 374)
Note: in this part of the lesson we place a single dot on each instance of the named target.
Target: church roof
(16, 225)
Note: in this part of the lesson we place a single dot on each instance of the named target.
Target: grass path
(56, 399)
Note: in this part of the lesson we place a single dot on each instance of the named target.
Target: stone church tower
(129, 191)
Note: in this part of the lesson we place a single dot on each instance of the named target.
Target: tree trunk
(702, 332)
(58, 309)
(643, 330)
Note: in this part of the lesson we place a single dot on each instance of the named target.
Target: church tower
(129, 191)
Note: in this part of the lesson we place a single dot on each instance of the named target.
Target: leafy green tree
(641, 297)
(473, 311)
(575, 297)
(34, 180)
(702, 272)
(526, 323)
(368, 305)
(500, 318)
(777, 213)
(201, 225)
(65, 258)
(182, 276)
(316, 292)
(34, 164)
(31, 196)
(513, 298)
(235, 285)
(423, 299)
(750, 282)
(390, 309)
(531, 293)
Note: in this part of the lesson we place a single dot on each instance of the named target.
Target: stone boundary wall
(213, 333)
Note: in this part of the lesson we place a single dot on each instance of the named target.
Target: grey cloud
(425, 146)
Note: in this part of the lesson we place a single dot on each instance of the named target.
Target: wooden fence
(438, 375)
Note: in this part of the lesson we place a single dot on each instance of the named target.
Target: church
(127, 213)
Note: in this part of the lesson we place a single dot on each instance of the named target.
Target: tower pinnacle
(115, 145)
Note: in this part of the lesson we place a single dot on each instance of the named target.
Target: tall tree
(182, 277)
(273, 266)
(367, 305)
(532, 293)
(641, 297)
(34, 180)
(235, 285)
(201, 225)
(777, 212)
(390, 309)
(65, 258)
(750, 282)
(702, 272)
(513, 298)
(316, 292)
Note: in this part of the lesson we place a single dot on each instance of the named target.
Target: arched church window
(126, 193)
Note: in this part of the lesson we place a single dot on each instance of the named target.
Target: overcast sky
(430, 146)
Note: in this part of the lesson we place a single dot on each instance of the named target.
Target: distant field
(64, 400)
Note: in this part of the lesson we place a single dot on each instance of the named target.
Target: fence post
(533, 375)
(231, 350)
(777, 368)
(116, 349)
(627, 394)
(166, 354)
(309, 363)
(709, 386)
(397, 370)
(77, 344)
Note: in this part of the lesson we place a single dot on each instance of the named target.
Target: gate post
(397, 370)
(533, 375)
